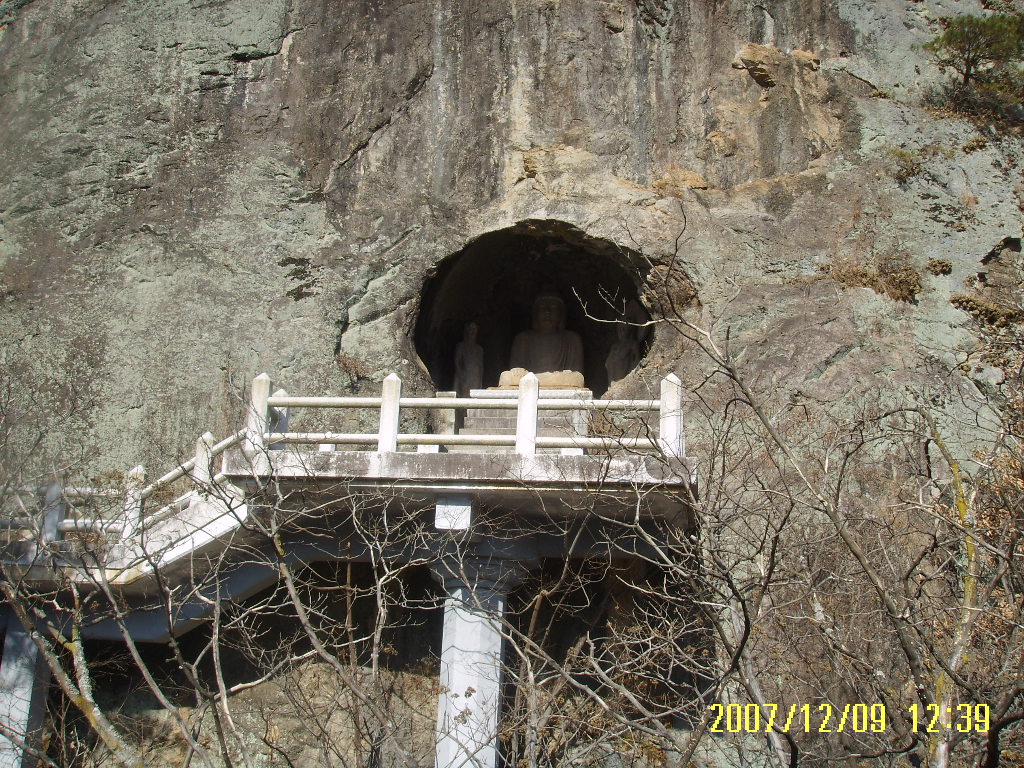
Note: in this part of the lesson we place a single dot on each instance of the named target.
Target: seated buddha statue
(548, 350)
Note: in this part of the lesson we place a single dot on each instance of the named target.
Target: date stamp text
(849, 718)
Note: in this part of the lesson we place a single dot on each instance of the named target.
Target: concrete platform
(538, 484)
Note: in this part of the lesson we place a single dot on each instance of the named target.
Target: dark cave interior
(494, 280)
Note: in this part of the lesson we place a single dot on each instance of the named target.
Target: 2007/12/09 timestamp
(856, 718)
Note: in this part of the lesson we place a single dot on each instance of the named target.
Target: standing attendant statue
(469, 362)
(624, 354)
(548, 350)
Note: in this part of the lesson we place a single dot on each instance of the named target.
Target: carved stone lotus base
(547, 380)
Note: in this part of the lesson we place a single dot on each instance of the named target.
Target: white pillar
(256, 425)
(579, 423)
(672, 436)
(526, 415)
(124, 550)
(444, 418)
(278, 420)
(53, 512)
(469, 703)
(387, 436)
(131, 504)
(24, 678)
(202, 471)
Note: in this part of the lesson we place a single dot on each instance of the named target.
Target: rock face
(193, 192)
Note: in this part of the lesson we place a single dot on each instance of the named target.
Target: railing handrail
(132, 495)
(509, 403)
(179, 472)
(269, 413)
(70, 492)
(168, 510)
(364, 438)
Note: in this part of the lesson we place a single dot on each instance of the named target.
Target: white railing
(267, 429)
(57, 510)
(267, 409)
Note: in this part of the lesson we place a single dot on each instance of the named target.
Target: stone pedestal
(24, 678)
(469, 703)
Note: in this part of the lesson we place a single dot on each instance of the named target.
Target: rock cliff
(193, 191)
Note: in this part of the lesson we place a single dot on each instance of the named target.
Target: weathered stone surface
(195, 192)
(761, 61)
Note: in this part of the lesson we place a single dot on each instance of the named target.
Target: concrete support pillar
(469, 702)
(24, 678)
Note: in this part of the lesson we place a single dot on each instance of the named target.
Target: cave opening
(495, 279)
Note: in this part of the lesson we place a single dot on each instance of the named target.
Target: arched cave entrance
(494, 280)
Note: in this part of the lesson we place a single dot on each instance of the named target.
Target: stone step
(483, 413)
(542, 432)
(543, 418)
(510, 413)
(496, 420)
(476, 428)
(495, 449)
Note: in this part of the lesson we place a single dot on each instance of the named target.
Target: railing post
(255, 445)
(526, 415)
(579, 426)
(278, 421)
(672, 437)
(442, 421)
(391, 391)
(54, 509)
(444, 418)
(131, 505)
(202, 474)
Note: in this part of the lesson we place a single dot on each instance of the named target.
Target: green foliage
(979, 48)
(986, 52)
(993, 102)
(903, 164)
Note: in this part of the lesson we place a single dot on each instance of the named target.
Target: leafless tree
(847, 591)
